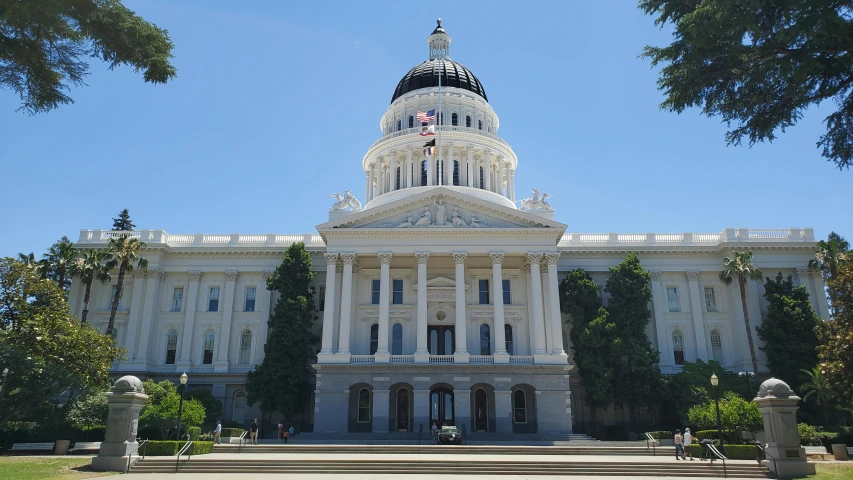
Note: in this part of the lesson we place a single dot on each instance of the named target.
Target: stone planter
(666, 442)
(839, 451)
(61, 447)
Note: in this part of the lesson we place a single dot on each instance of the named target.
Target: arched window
(239, 413)
(510, 344)
(411, 121)
(519, 406)
(171, 346)
(374, 338)
(433, 342)
(480, 124)
(245, 346)
(454, 119)
(485, 340)
(397, 339)
(456, 172)
(399, 125)
(678, 347)
(363, 405)
(717, 346)
(468, 121)
(482, 179)
(423, 173)
(209, 340)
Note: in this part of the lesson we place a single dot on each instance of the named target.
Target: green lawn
(41, 468)
(833, 471)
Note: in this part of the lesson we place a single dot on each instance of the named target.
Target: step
(436, 449)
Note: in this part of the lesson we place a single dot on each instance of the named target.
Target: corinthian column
(536, 309)
(500, 185)
(382, 354)
(501, 355)
(329, 303)
(409, 168)
(487, 174)
(227, 315)
(392, 161)
(189, 323)
(696, 298)
(149, 312)
(346, 300)
(460, 354)
(421, 354)
(469, 166)
(554, 299)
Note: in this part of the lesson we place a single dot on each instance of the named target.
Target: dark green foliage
(279, 383)
(44, 46)
(736, 415)
(212, 406)
(830, 254)
(123, 222)
(788, 330)
(56, 263)
(170, 448)
(836, 337)
(636, 377)
(194, 432)
(662, 435)
(733, 452)
(692, 386)
(759, 64)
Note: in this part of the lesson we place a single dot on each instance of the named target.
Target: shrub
(166, 448)
(232, 432)
(733, 452)
(662, 435)
(712, 434)
(194, 432)
(808, 434)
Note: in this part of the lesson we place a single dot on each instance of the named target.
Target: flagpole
(440, 125)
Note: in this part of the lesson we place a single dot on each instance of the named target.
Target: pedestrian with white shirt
(217, 432)
(688, 438)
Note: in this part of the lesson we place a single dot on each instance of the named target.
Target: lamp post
(181, 404)
(746, 375)
(714, 382)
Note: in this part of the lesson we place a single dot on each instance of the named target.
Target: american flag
(426, 116)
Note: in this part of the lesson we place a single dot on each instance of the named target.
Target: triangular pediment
(439, 282)
(442, 208)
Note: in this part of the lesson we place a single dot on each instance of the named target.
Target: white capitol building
(438, 300)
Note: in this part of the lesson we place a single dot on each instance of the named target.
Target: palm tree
(56, 261)
(29, 260)
(89, 266)
(740, 266)
(828, 256)
(123, 252)
(818, 387)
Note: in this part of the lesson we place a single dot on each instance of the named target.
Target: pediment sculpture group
(345, 202)
(441, 219)
(536, 202)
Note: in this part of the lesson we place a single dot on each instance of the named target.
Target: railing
(130, 455)
(706, 238)
(362, 359)
(216, 239)
(186, 448)
(654, 441)
(668, 238)
(481, 359)
(158, 237)
(443, 128)
(631, 238)
(761, 453)
(521, 359)
(769, 233)
(441, 359)
(593, 237)
(240, 441)
(402, 359)
(712, 449)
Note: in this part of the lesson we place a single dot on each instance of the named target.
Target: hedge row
(232, 432)
(733, 452)
(166, 448)
(661, 435)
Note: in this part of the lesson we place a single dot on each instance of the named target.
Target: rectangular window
(321, 302)
(250, 299)
(374, 292)
(177, 299)
(171, 347)
(507, 296)
(710, 299)
(207, 355)
(484, 291)
(672, 298)
(213, 300)
(397, 297)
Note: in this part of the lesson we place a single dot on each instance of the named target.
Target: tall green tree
(829, 255)
(55, 263)
(740, 267)
(637, 376)
(788, 329)
(43, 351)
(44, 45)
(123, 222)
(759, 64)
(279, 382)
(835, 352)
(595, 340)
(817, 387)
(123, 253)
(88, 267)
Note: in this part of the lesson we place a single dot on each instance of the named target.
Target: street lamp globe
(714, 380)
(184, 378)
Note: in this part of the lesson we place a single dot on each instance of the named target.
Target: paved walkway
(367, 476)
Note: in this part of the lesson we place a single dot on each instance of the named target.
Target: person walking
(253, 432)
(217, 432)
(679, 445)
(688, 439)
(290, 431)
(434, 429)
(280, 430)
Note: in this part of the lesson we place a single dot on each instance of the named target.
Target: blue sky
(276, 103)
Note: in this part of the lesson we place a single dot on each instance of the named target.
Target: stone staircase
(430, 448)
(411, 438)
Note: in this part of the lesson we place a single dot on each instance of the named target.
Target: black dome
(453, 74)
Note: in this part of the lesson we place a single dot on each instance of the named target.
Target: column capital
(339, 268)
(692, 275)
(803, 272)
(139, 273)
(384, 258)
(422, 257)
(469, 148)
(268, 274)
(195, 275)
(231, 275)
(534, 257)
(526, 267)
(655, 274)
(551, 258)
(459, 257)
(331, 258)
(497, 257)
(348, 258)
(157, 273)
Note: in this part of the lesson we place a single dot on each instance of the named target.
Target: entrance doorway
(440, 340)
(441, 407)
(402, 421)
(481, 411)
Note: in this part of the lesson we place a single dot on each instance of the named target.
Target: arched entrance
(441, 407)
(481, 411)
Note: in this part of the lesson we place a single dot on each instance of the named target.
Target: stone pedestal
(124, 402)
(778, 405)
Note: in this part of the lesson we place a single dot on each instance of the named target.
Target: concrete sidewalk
(302, 476)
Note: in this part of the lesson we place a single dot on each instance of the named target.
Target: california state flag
(428, 130)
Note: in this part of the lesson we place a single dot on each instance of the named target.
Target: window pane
(508, 338)
(213, 300)
(507, 296)
(208, 348)
(484, 291)
(364, 405)
(433, 342)
(171, 346)
(245, 346)
(374, 297)
(398, 291)
(250, 299)
(678, 347)
(177, 299)
(239, 407)
(374, 338)
(485, 340)
(520, 407)
(672, 298)
(397, 340)
(710, 300)
(448, 343)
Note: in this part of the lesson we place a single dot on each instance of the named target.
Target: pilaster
(500, 355)
(382, 353)
(189, 323)
(326, 348)
(659, 302)
(149, 312)
(222, 363)
(696, 310)
(460, 354)
(536, 314)
(422, 354)
(554, 299)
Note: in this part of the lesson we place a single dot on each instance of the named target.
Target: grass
(833, 471)
(43, 468)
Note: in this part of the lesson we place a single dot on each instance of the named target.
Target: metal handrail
(130, 455)
(761, 451)
(240, 441)
(713, 449)
(183, 449)
(650, 438)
